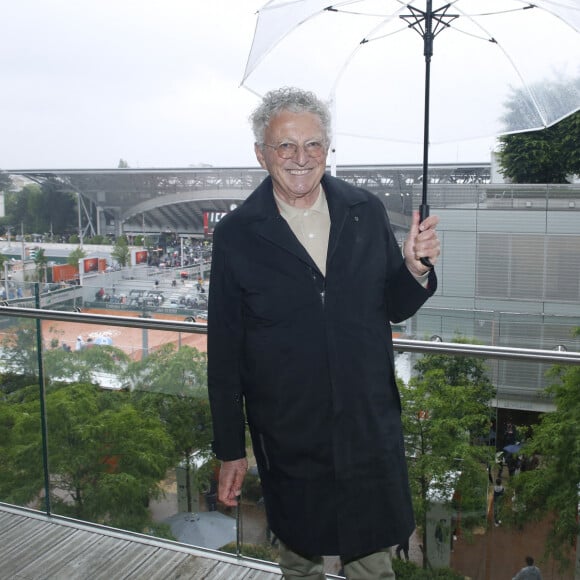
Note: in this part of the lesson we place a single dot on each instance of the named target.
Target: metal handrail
(400, 344)
(489, 351)
(112, 320)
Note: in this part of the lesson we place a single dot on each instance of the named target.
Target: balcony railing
(98, 409)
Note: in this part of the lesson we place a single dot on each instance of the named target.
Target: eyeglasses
(287, 149)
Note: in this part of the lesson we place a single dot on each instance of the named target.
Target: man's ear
(260, 156)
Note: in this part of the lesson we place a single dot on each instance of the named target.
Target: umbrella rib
(491, 39)
(528, 7)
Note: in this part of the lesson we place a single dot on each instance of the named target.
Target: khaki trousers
(376, 566)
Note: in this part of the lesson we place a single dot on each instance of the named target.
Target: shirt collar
(289, 211)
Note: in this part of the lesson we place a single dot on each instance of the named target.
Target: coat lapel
(339, 207)
(270, 225)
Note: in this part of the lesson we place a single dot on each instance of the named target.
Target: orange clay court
(130, 340)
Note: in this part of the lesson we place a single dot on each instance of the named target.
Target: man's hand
(232, 475)
(421, 242)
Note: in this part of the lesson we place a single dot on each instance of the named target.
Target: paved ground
(500, 553)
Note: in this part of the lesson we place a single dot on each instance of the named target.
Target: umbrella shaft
(428, 34)
(426, 130)
(428, 50)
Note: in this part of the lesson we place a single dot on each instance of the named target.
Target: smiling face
(296, 180)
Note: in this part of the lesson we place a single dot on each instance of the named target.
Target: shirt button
(311, 236)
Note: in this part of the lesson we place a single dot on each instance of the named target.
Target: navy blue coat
(308, 360)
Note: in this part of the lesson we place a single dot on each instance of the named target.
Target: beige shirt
(312, 228)
(310, 225)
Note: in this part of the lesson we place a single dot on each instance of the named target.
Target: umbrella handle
(423, 214)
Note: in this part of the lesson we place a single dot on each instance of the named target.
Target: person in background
(306, 277)
(529, 571)
(498, 492)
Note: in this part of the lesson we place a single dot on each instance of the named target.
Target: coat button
(356, 218)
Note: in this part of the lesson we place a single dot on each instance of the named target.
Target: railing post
(42, 399)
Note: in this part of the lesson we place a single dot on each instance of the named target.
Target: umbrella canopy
(513, 448)
(498, 66)
(204, 529)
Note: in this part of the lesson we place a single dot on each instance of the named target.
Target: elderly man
(306, 276)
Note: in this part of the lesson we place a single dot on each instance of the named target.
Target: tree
(108, 450)
(19, 349)
(85, 365)
(552, 489)
(121, 252)
(59, 207)
(40, 262)
(546, 156)
(446, 417)
(41, 208)
(106, 460)
(5, 181)
(19, 205)
(172, 385)
(122, 164)
(76, 255)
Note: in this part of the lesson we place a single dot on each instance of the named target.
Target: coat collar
(261, 213)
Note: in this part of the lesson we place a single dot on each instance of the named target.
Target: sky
(154, 82)
(157, 84)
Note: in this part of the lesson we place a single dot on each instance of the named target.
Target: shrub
(410, 571)
(258, 551)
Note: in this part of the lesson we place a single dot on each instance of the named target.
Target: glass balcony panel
(129, 432)
(22, 449)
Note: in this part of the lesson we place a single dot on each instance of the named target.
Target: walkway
(36, 547)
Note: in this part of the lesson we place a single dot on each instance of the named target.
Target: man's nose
(301, 156)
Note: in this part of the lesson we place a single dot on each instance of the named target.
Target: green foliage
(3, 260)
(121, 252)
(18, 205)
(264, 552)
(59, 207)
(41, 208)
(40, 262)
(80, 366)
(410, 571)
(446, 417)
(546, 156)
(553, 488)
(148, 242)
(106, 460)
(5, 181)
(171, 384)
(76, 255)
(108, 450)
(19, 348)
(11, 382)
(170, 370)
(98, 240)
(160, 531)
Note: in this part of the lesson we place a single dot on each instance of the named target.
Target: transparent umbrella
(498, 67)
